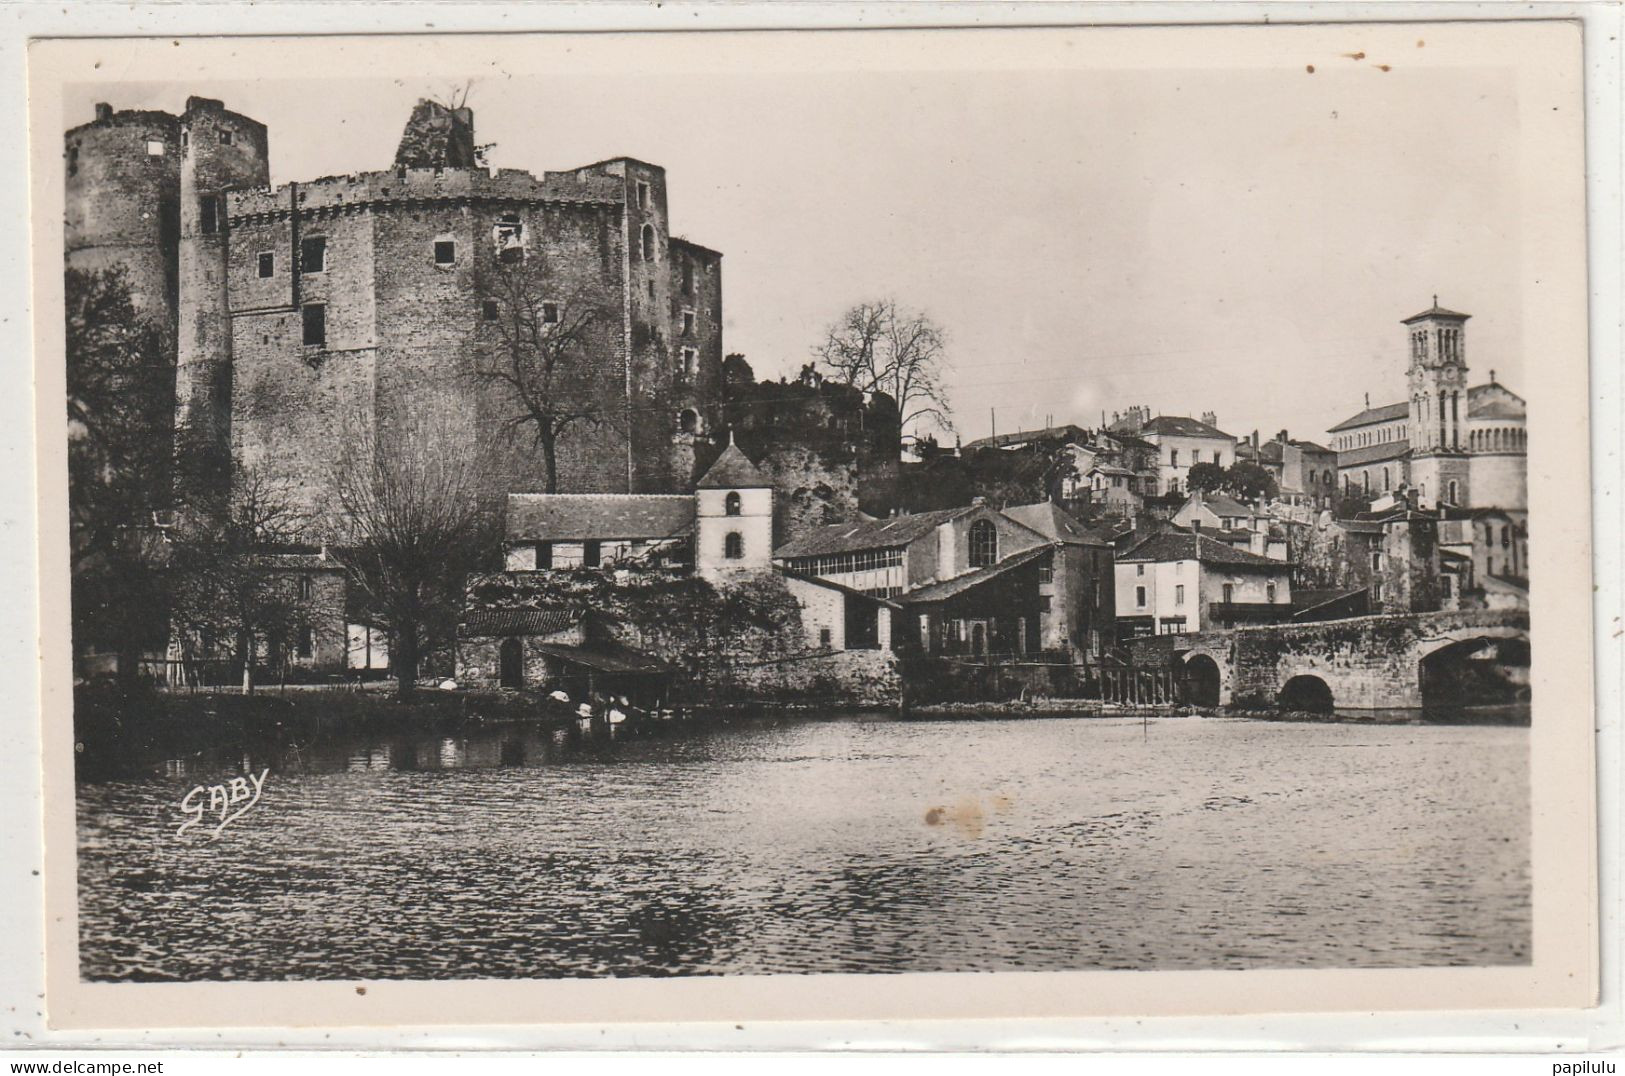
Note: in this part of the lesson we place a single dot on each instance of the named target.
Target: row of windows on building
(1196, 457)
(1449, 344)
(863, 560)
(1383, 436)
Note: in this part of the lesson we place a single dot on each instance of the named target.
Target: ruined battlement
(133, 117)
(408, 186)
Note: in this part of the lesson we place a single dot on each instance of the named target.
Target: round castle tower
(219, 150)
(122, 200)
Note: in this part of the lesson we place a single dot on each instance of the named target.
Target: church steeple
(1438, 379)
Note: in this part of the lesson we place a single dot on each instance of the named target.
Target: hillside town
(475, 430)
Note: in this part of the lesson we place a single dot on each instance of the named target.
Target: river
(802, 844)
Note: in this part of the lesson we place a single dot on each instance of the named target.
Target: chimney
(1368, 401)
(104, 111)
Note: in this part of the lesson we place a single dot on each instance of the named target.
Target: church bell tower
(1437, 378)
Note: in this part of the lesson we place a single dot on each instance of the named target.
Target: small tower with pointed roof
(733, 530)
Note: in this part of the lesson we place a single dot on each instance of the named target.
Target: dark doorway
(512, 656)
(1307, 693)
(862, 624)
(1200, 686)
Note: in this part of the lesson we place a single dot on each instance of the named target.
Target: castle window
(208, 214)
(1453, 493)
(688, 364)
(688, 421)
(225, 138)
(733, 546)
(550, 313)
(445, 252)
(824, 639)
(155, 148)
(186, 141)
(508, 233)
(306, 641)
(643, 196)
(731, 504)
(267, 263)
(688, 277)
(489, 310)
(304, 587)
(648, 242)
(984, 544)
(313, 254)
(73, 160)
(688, 323)
(315, 324)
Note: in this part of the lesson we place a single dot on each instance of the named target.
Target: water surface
(799, 845)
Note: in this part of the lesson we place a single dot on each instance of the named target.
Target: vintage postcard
(841, 525)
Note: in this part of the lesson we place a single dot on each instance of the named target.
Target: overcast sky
(1242, 242)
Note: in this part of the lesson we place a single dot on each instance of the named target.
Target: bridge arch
(1306, 691)
(1205, 676)
(1474, 667)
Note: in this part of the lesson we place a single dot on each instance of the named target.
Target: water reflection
(795, 845)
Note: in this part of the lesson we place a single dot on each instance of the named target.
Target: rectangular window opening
(313, 255)
(489, 310)
(550, 313)
(155, 147)
(445, 252)
(209, 214)
(267, 265)
(315, 324)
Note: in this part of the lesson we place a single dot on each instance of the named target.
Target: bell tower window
(731, 504)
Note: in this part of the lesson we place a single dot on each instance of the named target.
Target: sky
(1238, 241)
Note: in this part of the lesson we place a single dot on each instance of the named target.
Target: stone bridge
(1364, 663)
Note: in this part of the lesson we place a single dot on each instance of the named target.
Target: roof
(1311, 446)
(1436, 311)
(519, 621)
(1054, 523)
(1451, 554)
(565, 516)
(1361, 526)
(1495, 409)
(1389, 450)
(733, 470)
(1021, 437)
(948, 588)
(1385, 413)
(867, 534)
(1182, 545)
(1178, 426)
(1223, 506)
(607, 657)
(1113, 469)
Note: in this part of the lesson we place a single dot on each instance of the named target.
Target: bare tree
(411, 526)
(541, 358)
(880, 347)
(227, 578)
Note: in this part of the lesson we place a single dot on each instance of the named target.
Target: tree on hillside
(541, 358)
(880, 347)
(1205, 478)
(224, 584)
(121, 399)
(1249, 481)
(411, 526)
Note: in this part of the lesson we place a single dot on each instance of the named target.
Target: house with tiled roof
(1077, 592)
(1184, 442)
(1178, 581)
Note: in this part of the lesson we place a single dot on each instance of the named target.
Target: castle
(302, 315)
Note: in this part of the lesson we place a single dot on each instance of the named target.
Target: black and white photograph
(723, 506)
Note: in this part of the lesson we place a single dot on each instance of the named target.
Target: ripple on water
(800, 845)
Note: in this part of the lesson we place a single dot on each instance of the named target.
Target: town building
(1176, 582)
(1455, 446)
(1305, 472)
(1490, 551)
(1076, 592)
(1182, 443)
(1220, 516)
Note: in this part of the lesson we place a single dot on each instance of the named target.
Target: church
(1455, 446)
